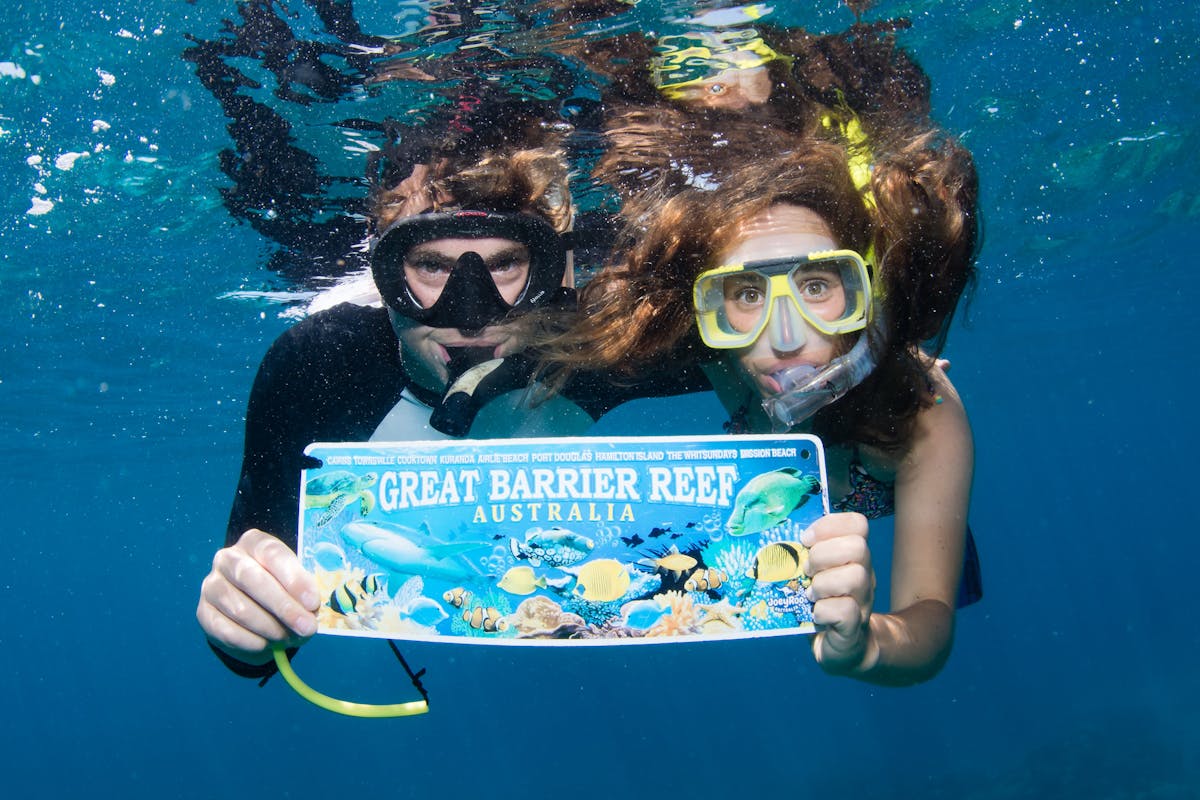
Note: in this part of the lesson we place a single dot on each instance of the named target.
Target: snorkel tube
(805, 390)
(346, 707)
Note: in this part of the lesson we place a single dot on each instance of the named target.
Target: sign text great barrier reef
(563, 541)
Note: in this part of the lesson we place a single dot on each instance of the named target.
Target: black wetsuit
(330, 378)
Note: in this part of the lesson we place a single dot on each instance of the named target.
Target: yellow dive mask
(829, 291)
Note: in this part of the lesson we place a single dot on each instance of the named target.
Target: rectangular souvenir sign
(563, 541)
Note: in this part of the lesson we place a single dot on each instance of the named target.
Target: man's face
(427, 266)
(424, 350)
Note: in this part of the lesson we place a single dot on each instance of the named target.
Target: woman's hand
(257, 595)
(843, 592)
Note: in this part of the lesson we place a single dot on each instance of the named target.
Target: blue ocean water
(124, 369)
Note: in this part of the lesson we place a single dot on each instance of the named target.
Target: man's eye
(429, 266)
(506, 265)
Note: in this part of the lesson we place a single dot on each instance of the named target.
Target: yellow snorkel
(346, 707)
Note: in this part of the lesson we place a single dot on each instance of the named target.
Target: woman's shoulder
(941, 437)
(940, 427)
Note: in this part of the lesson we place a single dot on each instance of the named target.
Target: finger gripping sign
(563, 541)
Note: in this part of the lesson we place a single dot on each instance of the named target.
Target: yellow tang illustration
(522, 581)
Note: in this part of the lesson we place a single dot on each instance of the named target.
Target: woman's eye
(818, 288)
(815, 288)
(748, 295)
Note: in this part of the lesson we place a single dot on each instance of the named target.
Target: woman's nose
(786, 329)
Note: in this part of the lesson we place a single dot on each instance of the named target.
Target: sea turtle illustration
(335, 491)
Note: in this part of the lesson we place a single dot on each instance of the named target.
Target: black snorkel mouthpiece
(475, 388)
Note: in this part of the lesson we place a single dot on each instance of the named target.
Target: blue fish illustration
(642, 614)
(423, 611)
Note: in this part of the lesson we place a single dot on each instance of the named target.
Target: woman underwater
(782, 279)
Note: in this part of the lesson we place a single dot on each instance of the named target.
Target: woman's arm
(912, 642)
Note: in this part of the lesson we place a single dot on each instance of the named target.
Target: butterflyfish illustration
(767, 500)
(411, 552)
(522, 581)
(671, 561)
(456, 596)
(703, 580)
(602, 580)
(488, 620)
(779, 562)
(556, 547)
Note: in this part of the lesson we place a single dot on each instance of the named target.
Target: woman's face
(779, 232)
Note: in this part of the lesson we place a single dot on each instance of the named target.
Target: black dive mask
(469, 300)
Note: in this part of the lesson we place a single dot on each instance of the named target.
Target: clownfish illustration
(703, 580)
(488, 620)
(457, 596)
